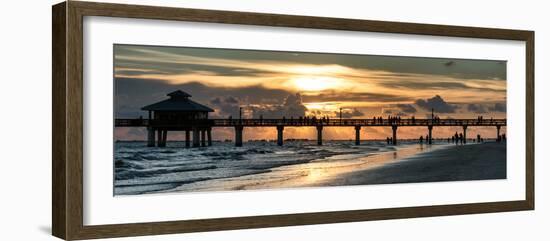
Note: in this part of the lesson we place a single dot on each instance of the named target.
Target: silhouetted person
(478, 138)
(448, 140)
(461, 137)
(504, 137)
(421, 139)
(456, 138)
(453, 138)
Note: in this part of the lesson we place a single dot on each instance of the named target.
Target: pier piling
(159, 138)
(164, 137)
(187, 138)
(238, 135)
(319, 135)
(203, 137)
(280, 130)
(209, 135)
(498, 134)
(196, 137)
(357, 135)
(430, 127)
(394, 136)
(150, 137)
(464, 134)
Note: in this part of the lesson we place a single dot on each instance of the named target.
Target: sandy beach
(262, 166)
(406, 164)
(451, 163)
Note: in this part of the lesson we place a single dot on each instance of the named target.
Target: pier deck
(297, 122)
(201, 129)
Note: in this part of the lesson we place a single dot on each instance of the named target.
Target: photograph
(190, 119)
(181, 120)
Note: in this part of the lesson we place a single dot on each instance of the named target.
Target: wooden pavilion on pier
(178, 113)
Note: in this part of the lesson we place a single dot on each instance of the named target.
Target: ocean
(256, 165)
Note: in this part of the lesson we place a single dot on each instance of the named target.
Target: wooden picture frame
(67, 152)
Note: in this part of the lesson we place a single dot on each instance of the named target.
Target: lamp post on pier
(240, 113)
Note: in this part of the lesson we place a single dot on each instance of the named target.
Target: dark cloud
(356, 112)
(216, 101)
(450, 63)
(350, 114)
(138, 72)
(437, 104)
(316, 112)
(231, 100)
(498, 107)
(407, 108)
(375, 97)
(228, 106)
(441, 85)
(133, 93)
(182, 68)
(394, 112)
(291, 107)
(477, 108)
(126, 111)
(461, 68)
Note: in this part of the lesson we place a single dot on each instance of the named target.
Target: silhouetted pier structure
(197, 126)
(179, 113)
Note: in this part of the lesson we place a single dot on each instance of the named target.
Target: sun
(316, 83)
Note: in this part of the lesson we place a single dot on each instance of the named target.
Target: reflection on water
(256, 165)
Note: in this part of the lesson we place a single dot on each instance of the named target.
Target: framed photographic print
(170, 120)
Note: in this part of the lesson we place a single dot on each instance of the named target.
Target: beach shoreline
(360, 165)
(483, 161)
(407, 164)
(317, 173)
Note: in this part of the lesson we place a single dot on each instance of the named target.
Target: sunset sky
(275, 84)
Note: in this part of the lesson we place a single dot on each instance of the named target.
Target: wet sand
(317, 173)
(452, 163)
(406, 164)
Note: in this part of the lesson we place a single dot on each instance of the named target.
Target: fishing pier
(179, 113)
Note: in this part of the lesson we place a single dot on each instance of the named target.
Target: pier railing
(202, 129)
(308, 122)
(358, 122)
